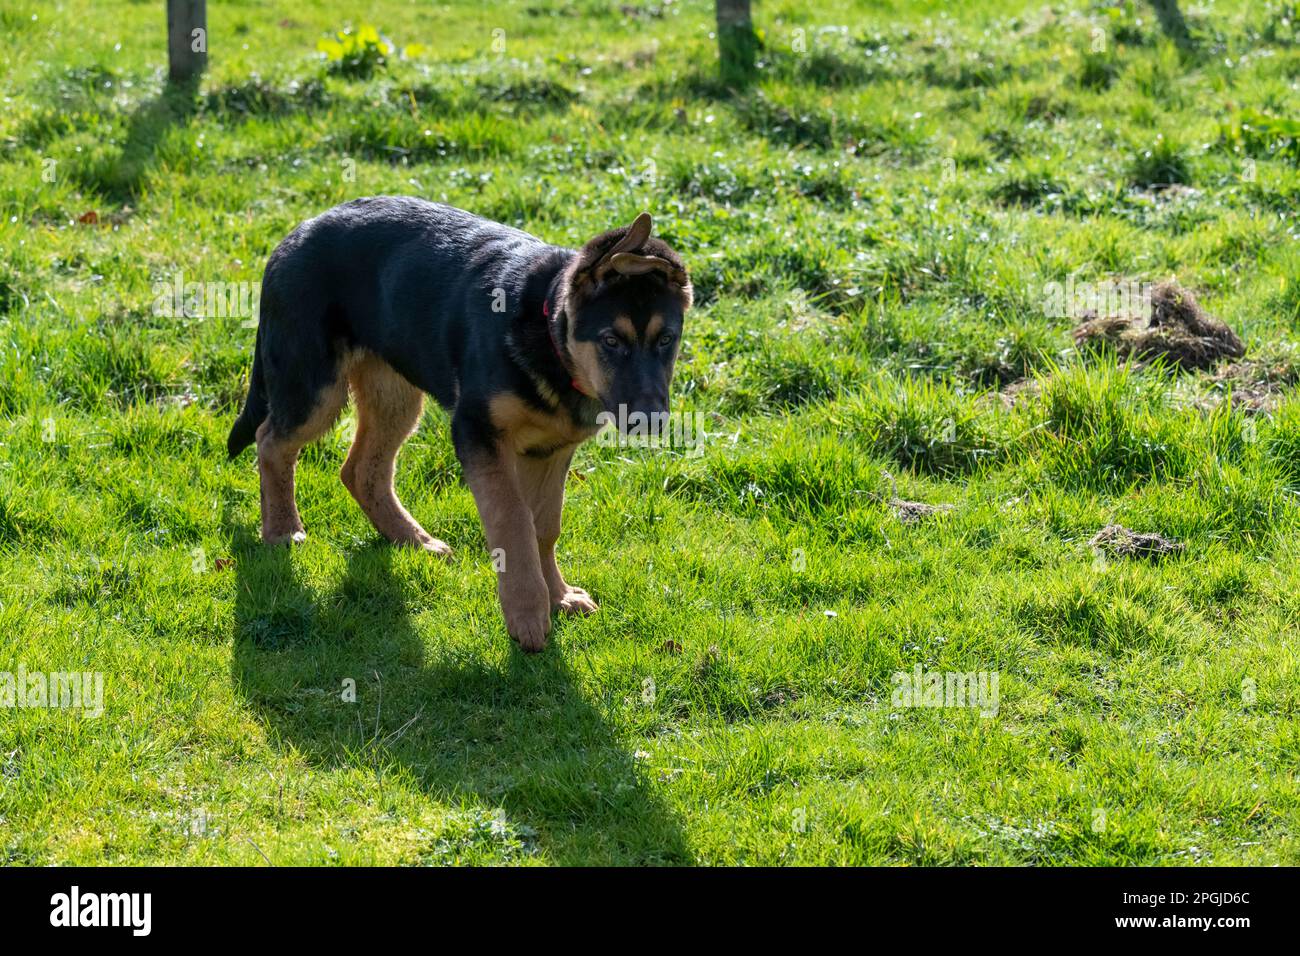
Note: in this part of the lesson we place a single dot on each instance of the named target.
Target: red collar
(550, 334)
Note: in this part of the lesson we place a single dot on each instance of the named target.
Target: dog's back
(334, 284)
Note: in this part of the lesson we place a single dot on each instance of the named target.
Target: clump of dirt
(908, 512)
(1166, 192)
(1178, 330)
(912, 512)
(707, 662)
(1255, 386)
(1019, 391)
(1118, 541)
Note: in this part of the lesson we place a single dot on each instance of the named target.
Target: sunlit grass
(870, 229)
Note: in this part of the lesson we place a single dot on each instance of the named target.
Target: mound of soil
(1179, 331)
(908, 512)
(1118, 541)
(1019, 391)
(1256, 386)
(911, 512)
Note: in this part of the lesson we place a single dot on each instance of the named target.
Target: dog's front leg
(512, 539)
(542, 482)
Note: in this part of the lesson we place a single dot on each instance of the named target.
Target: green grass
(870, 227)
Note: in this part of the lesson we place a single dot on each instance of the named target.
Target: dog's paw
(416, 537)
(575, 601)
(291, 537)
(528, 619)
(440, 548)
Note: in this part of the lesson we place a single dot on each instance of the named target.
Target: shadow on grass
(119, 180)
(519, 737)
(1172, 22)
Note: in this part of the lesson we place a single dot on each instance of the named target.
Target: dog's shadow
(520, 737)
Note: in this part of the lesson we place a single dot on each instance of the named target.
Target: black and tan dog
(524, 344)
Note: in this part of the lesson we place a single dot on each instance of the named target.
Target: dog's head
(625, 300)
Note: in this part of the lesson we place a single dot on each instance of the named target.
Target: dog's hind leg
(280, 439)
(541, 482)
(388, 411)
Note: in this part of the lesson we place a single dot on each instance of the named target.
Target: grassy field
(871, 228)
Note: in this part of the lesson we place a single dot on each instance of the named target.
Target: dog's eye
(610, 341)
(666, 340)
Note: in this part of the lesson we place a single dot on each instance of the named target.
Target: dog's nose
(642, 416)
(652, 406)
(654, 401)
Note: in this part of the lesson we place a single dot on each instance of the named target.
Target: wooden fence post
(187, 39)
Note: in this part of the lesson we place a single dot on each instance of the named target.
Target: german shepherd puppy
(523, 343)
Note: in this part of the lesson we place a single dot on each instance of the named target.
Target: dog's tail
(244, 431)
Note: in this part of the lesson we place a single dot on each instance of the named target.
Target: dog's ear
(600, 258)
(594, 263)
(631, 264)
(637, 234)
(633, 239)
